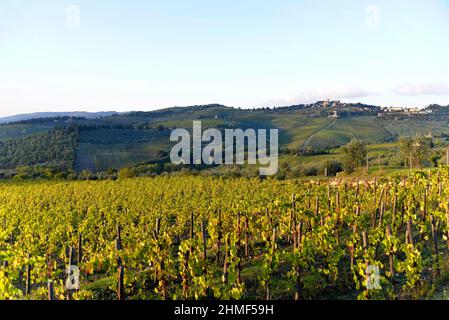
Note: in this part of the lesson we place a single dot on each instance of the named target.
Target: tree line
(52, 148)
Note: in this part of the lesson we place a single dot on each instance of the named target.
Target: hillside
(42, 115)
(113, 141)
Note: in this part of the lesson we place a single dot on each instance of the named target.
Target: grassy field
(413, 127)
(294, 131)
(325, 133)
(98, 157)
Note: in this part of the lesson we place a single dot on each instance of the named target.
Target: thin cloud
(418, 89)
(339, 92)
(336, 93)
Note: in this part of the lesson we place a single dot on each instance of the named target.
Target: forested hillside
(55, 148)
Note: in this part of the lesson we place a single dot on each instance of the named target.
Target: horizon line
(218, 104)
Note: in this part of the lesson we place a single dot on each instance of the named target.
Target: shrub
(311, 171)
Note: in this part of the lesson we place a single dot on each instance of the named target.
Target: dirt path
(307, 141)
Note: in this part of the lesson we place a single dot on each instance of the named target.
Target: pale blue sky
(143, 55)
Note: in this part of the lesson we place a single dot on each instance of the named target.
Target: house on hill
(334, 115)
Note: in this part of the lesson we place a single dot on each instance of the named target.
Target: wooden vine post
(28, 277)
(204, 238)
(381, 215)
(298, 242)
(239, 264)
(273, 248)
(219, 236)
(447, 223)
(120, 288)
(185, 278)
(352, 247)
(121, 268)
(158, 226)
(365, 247)
(192, 230)
(192, 225)
(246, 236)
(80, 249)
(51, 291)
(292, 220)
(409, 233)
(434, 232)
(317, 210)
(390, 252)
(225, 262)
(393, 214)
(118, 240)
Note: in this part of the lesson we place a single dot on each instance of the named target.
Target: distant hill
(43, 115)
(107, 140)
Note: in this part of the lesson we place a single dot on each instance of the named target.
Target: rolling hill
(43, 115)
(116, 140)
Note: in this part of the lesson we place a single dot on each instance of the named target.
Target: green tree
(126, 173)
(354, 154)
(415, 151)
